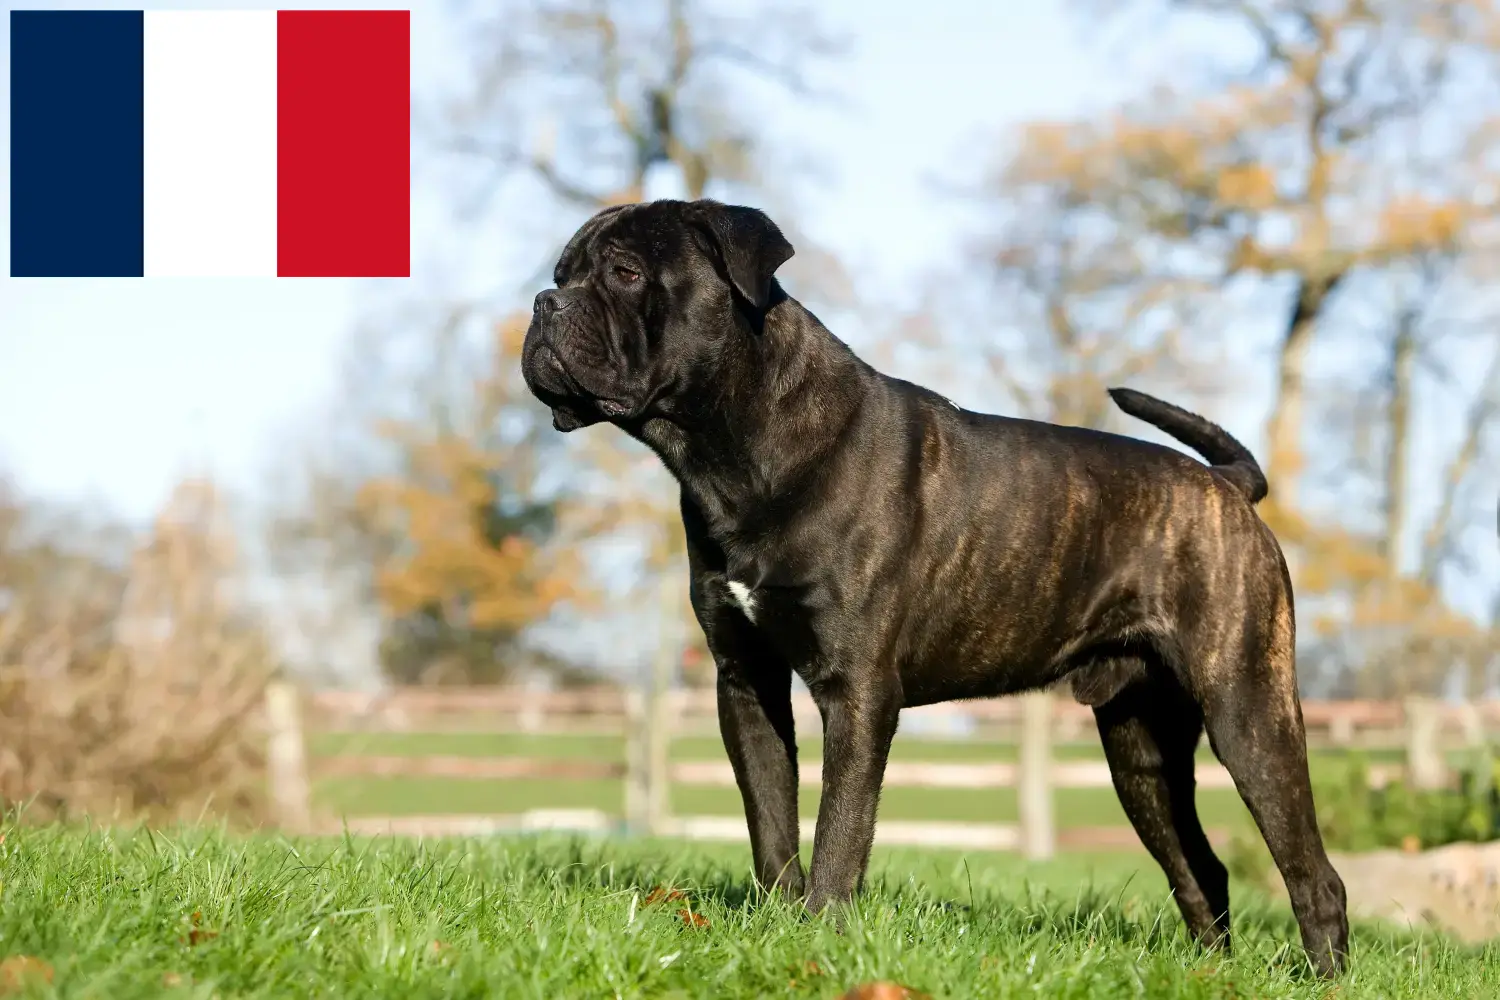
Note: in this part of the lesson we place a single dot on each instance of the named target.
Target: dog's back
(1027, 545)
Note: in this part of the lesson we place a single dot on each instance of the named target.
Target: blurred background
(1282, 213)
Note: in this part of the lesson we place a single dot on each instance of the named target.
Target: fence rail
(898, 773)
(1423, 728)
(606, 708)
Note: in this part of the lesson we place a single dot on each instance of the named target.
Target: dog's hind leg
(1254, 722)
(1150, 729)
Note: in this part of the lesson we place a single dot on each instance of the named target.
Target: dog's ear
(569, 261)
(749, 246)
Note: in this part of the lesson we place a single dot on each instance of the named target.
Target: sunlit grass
(119, 914)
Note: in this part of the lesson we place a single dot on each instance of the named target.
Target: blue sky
(112, 389)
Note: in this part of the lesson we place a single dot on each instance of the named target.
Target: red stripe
(343, 133)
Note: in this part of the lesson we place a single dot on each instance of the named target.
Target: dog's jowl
(892, 550)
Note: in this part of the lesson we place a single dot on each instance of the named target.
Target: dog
(893, 549)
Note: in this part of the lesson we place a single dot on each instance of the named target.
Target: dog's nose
(548, 301)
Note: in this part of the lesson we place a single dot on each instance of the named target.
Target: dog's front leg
(859, 722)
(755, 719)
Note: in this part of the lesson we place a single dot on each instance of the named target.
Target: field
(123, 914)
(1076, 807)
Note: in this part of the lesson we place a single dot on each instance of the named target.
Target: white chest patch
(743, 598)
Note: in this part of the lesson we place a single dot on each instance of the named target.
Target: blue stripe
(76, 144)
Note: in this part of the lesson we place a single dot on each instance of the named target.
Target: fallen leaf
(696, 920)
(661, 894)
(171, 979)
(807, 970)
(196, 934)
(883, 991)
(20, 971)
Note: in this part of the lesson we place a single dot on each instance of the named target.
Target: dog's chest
(780, 614)
(743, 597)
(780, 598)
(777, 610)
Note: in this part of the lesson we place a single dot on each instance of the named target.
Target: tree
(640, 87)
(425, 509)
(132, 667)
(474, 567)
(1327, 182)
(472, 520)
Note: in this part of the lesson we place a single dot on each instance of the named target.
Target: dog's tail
(1229, 458)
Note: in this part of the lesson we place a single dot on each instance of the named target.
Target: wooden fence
(1423, 728)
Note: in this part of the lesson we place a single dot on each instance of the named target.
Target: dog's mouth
(612, 408)
(572, 404)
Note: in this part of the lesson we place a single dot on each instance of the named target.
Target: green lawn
(612, 748)
(118, 915)
(417, 796)
(425, 796)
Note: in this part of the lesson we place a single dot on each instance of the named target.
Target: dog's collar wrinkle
(738, 480)
(740, 473)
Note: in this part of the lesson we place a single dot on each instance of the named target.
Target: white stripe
(210, 94)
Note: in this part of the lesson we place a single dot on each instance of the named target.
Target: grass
(122, 914)
(609, 747)
(419, 796)
(1080, 807)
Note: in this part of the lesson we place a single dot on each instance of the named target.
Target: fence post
(1034, 784)
(662, 711)
(637, 778)
(286, 757)
(659, 789)
(536, 685)
(1341, 729)
(1424, 760)
(1472, 723)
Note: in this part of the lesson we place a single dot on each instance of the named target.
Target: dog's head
(648, 298)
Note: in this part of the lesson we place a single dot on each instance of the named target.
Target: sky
(112, 389)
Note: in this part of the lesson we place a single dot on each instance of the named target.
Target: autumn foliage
(1312, 181)
(462, 553)
(1300, 189)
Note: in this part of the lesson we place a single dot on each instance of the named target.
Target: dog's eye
(626, 275)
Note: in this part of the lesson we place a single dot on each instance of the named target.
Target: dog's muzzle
(548, 376)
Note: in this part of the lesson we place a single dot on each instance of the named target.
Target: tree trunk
(1284, 431)
(1403, 367)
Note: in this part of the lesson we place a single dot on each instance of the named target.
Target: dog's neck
(756, 440)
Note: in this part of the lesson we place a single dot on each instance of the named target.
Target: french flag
(210, 143)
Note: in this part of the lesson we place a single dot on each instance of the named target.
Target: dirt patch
(1454, 888)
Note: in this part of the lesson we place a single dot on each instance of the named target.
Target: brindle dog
(893, 550)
